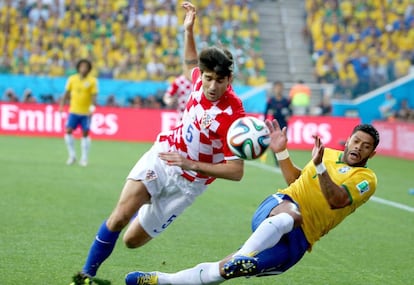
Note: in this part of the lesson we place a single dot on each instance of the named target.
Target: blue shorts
(75, 120)
(288, 251)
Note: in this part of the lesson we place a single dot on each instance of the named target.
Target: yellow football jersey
(318, 217)
(82, 92)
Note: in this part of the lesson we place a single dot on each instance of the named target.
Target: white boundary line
(373, 198)
(392, 204)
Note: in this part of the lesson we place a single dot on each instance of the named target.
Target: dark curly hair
(84, 60)
(369, 129)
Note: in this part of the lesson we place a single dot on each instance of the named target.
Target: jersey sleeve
(69, 83)
(361, 186)
(172, 89)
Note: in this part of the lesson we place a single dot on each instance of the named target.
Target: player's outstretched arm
(336, 195)
(190, 50)
(231, 170)
(278, 144)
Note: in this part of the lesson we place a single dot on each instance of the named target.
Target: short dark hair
(84, 60)
(216, 60)
(369, 129)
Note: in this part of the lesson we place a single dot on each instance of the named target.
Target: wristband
(282, 155)
(320, 168)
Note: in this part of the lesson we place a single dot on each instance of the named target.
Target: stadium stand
(360, 45)
(125, 39)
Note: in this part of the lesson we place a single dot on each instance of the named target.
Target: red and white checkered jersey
(181, 88)
(201, 135)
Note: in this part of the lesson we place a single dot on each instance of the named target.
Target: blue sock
(100, 250)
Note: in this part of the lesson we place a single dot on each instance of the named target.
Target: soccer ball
(248, 137)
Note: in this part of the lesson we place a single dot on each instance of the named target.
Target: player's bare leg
(133, 196)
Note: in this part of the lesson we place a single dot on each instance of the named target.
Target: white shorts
(170, 192)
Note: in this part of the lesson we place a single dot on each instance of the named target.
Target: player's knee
(135, 236)
(134, 241)
(130, 243)
(293, 210)
(118, 221)
(290, 209)
(297, 218)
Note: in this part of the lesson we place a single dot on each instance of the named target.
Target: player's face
(214, 86)
(83, 68)
(358, 149)
(277, 89)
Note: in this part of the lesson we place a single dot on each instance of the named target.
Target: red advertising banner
(143, 125)
(397, 139)
(125, 124)
(334, 131)
(130, 124)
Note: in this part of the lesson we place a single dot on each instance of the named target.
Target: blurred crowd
(125, 39)
(153, 101)
(392, 109)
(360, 45)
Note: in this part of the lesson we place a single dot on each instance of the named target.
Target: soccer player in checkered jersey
(181, 163)
(178, 93)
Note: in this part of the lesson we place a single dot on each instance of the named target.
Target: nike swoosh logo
(199, 275)
(102, 241)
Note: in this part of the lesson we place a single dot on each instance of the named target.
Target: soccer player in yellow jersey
(81, 90)
(288, 223)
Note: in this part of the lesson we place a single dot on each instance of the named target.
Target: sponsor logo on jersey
(363, 186)
(344, 169)
(151, 175)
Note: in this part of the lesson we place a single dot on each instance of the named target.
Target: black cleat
(240, 265)
(84, 279)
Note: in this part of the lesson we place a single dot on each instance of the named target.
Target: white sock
(85, 145)
(70, 145)
(203, 273)
(267, 234)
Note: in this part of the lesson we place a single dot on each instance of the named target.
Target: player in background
(178, 93)
(181, 163)
(278, 107)
(288, 223)
(81, 90)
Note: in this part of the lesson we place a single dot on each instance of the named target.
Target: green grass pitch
(50, 213)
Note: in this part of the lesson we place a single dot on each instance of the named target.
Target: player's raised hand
(278, 137)
(190, 15)
(318, 150)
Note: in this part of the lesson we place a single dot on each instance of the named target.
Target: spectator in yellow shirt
(402, 66)
(348, 79)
